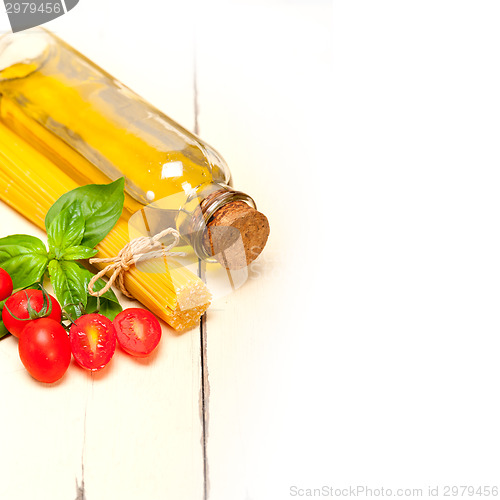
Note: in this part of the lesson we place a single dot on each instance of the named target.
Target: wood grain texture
(226, 411)
(134, 430)
(264, 89)
(42, 436)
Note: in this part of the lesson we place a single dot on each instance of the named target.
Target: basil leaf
(70, 281)
(86, 275)
(101, 207)
(3, 330)
(109, 308)
(78, 252)
(66, 229)
(68, 286)
(24, 258)
(109, 304)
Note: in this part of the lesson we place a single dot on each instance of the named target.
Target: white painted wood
(134, 430)
(42, 432)
(264, 83)
(143, 436)
(366, 353)
(363, 349)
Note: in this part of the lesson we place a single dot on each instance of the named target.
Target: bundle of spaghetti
(30, 182)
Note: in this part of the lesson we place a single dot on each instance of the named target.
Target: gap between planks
(204, 385)
(80, 487)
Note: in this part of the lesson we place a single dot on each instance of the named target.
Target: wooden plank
(143, 424)
(264, 85)
(42, 433)
(382, 372)
(134, 430)
(143, 421)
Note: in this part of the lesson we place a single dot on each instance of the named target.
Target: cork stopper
(236, 234)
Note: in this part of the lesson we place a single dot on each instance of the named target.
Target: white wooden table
(212, 415)
(363, 350)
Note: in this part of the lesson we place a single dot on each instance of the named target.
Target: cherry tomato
(44, 349)
(138, 331)
(6, 285)
(18, 306)
(93, 341)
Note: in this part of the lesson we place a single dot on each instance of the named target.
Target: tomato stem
(44, 312)
(79, 305)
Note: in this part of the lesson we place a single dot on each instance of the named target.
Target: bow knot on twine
(141, 248)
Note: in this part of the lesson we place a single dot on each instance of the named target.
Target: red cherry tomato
(44, 350)
(93, 341)
(18, 306)
(138, 331)
(6, 285)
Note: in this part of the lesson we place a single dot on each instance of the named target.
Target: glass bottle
(66, 105)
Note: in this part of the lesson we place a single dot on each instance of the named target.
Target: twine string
(141, 248)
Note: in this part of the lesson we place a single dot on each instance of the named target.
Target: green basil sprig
(100, 206)
(24, 257)
(75, 224)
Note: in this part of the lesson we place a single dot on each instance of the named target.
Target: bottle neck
(219, 223)
(202, 208)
